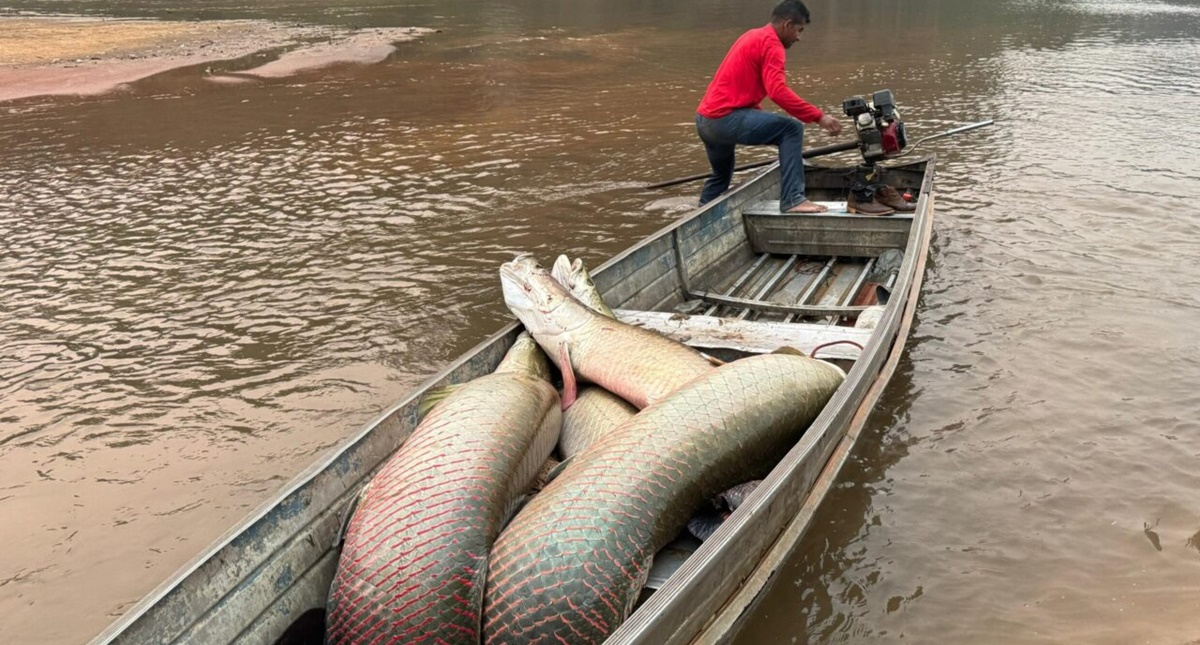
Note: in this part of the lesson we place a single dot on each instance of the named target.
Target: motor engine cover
(877, 124)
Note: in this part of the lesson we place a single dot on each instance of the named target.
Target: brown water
(206, 286)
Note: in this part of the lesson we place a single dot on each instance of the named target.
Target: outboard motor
(878, 126)
(881, 136)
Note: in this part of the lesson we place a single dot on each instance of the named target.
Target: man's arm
(775, 82)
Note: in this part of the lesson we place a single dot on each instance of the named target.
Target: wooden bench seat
(836, 209)
(835, 233)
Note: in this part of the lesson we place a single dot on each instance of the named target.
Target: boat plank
(310, 590)
(775, 307)
(839, 234)
(609, 276)
(712, 332)
(271, 583)
(624, 284)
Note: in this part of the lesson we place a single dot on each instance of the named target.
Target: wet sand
(44, 56)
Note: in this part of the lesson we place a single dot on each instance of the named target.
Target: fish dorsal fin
(435, 396)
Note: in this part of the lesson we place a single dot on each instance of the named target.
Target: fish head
(563, 270)
(575, 277)
(544, 306)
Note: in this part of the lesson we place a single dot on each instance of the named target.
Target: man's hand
(830, 125)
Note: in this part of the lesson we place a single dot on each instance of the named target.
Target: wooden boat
(751, 280)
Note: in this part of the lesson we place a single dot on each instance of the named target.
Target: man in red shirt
(731, 112)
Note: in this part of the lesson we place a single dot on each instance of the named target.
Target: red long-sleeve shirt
(752, 70)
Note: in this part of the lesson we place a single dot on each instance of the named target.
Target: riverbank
(43, 56)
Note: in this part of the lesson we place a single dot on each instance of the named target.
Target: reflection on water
(206, 286)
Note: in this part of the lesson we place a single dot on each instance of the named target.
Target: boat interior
(773, 280)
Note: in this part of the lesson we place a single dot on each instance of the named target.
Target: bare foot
(807, 206)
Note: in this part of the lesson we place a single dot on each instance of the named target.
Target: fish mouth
(533, 295)
(521, 292)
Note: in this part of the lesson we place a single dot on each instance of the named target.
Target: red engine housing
(891, 138)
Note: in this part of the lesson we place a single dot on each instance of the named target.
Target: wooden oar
(811, 152)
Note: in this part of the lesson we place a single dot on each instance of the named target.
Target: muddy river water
(206, 285)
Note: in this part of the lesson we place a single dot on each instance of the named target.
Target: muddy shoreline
(54, 56)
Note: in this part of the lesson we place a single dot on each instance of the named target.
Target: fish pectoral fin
(570, 386)
(435, 396)
(514, 508)
(716, 362)
(558, 469)
(703, 526)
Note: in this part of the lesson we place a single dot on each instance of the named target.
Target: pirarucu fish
(413, 565)
(570, 566)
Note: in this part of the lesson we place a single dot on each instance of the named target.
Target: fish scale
(594, 413)
(639, 365)
(415, 555)
(572, 563)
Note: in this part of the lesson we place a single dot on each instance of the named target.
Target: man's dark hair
(793, 10)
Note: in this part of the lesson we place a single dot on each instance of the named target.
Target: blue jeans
(755, 128)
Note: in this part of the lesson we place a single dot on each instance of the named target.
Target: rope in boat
(813, 353)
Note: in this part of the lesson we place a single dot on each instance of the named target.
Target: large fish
(596, 410)
(415, 556)
(570, 566)
(636, 364)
